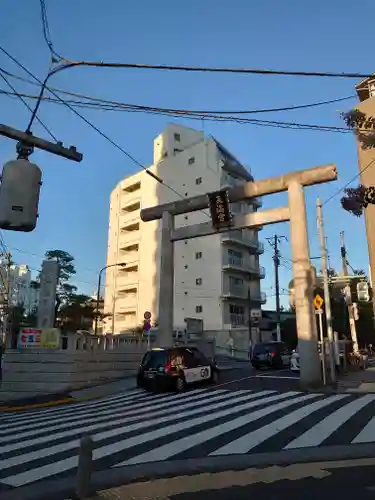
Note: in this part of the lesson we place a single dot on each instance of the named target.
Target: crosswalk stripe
(32, 475)
(249, 441)
(367, 434)
(26, 414)
(72, 408)
(321, 431)
(175, 447)
(127, 428)
(140, 406)
(34, 455)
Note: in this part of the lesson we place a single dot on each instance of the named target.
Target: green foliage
(363, 125)
(77, 312)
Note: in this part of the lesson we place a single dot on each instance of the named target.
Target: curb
(62, 488)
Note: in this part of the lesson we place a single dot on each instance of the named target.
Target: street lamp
(120, 264)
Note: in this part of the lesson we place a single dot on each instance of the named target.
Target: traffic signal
(19, 195)
(363, 294)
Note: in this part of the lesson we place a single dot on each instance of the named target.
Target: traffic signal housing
(19, 195)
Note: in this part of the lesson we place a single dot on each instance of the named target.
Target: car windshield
(153, 359)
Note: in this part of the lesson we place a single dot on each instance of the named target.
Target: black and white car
(175, 368)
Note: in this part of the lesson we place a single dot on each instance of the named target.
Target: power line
(207, 69)
(105, 136)
(193, 115)
(25, 103)
(371, 162)
(46, 31)
(193, 111)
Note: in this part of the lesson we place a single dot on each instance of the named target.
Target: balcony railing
(127, 279)
(239, 238)
(239, 264)
(261, 297)
(237, 319)
(235, 291)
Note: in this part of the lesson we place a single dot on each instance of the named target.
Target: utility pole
(327, 298)
(348, 295)
(274, 241)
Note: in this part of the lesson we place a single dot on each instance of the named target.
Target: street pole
(323, 349)
(310, 374)
(120, 264)
(327, 298)
(276, 262)
(353, 330)
(274, 241)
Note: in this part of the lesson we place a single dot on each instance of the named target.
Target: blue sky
(292, 35)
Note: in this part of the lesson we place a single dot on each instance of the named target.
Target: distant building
(19, 285)
(217, 278)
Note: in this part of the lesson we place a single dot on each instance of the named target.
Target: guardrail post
(83, 480)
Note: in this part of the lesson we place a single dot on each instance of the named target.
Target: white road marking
(321, 431)
(94, 415)
(367, 434)
(32, 475)
(151, 421)
(248, 441)
(175, 447)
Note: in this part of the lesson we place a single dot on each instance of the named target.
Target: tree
(358, 198)
(77, 312)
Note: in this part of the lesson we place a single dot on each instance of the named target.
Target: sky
(290, 35)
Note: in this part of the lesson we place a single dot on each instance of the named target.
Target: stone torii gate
(295, 212)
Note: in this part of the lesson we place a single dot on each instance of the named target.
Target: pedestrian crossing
(136, 427)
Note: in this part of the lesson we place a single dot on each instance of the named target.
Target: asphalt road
(248, 412)
(246, 377)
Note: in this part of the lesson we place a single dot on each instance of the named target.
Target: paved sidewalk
(296, 481)
(358, 381)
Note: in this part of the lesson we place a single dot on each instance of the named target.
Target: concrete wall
(81, 362)
(29, 372)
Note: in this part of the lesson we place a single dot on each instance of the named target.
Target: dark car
(270, 354)
(175, 368)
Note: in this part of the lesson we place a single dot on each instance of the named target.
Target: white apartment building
(217, 278)
(19, 284)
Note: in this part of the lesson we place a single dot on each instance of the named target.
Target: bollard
(83, 480)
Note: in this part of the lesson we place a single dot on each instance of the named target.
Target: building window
(198, 181)
(198, 255)
(234, 253)
(235, 281)
(191, 160)
(186, 266)
(233, 309)
(198, 309)
(177, 137)
(177, 150)
(198, 281)
(186, 217)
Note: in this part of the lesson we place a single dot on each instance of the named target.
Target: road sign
(146, 326)
(318, 302)
(220, 208)
(147, 315)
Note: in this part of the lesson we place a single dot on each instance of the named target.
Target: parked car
(175, 368)
(270, 355)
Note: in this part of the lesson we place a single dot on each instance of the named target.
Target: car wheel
(139, 383)
(180, 384)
